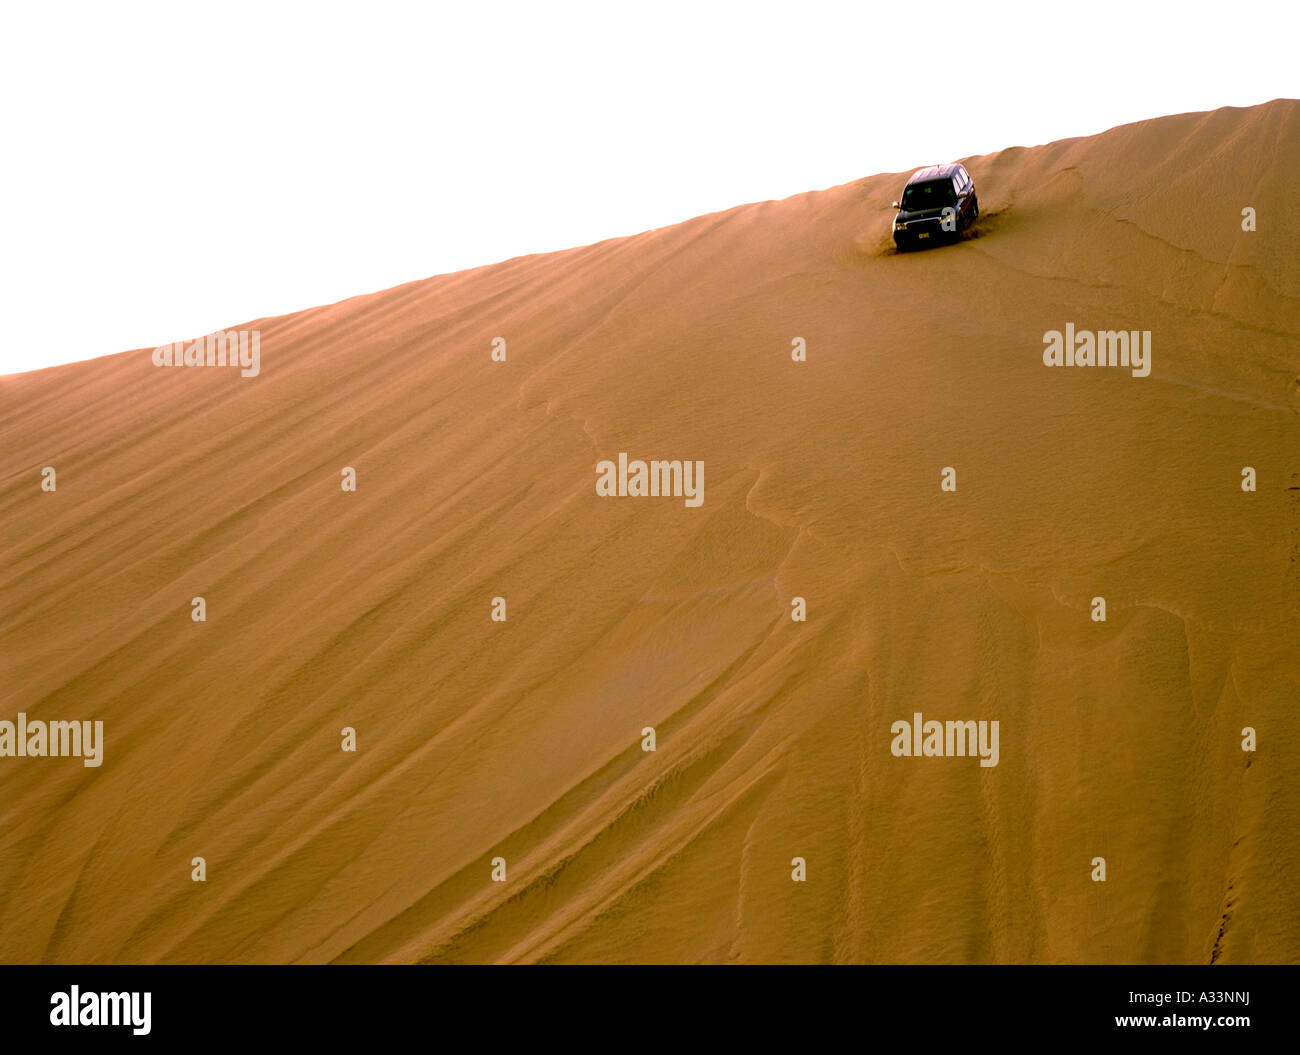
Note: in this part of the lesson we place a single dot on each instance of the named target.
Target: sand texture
(522, 739)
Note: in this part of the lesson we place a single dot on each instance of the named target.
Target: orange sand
(522, 739)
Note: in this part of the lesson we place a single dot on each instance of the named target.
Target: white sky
(170, 169)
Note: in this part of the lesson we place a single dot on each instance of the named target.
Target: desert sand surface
(522, 739)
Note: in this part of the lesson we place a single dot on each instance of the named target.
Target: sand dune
(522, 739)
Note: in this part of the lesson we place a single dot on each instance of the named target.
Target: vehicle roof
(934, 172)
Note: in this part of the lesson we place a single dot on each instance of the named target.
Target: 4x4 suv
(938, 202)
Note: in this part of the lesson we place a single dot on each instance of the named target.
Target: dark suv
(937, 203)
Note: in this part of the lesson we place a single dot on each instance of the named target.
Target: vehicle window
(931, 194)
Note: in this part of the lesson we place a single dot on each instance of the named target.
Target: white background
(171, 169)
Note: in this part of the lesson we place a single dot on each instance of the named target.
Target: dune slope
(522, 739)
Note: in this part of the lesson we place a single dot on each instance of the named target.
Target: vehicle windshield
(933, 194)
